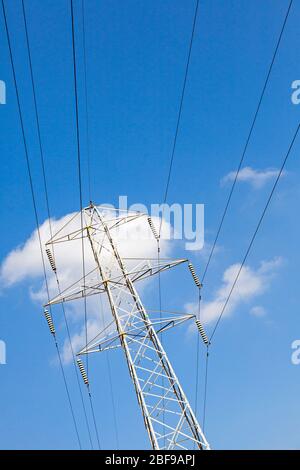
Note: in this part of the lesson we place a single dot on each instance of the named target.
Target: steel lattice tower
(168, 416)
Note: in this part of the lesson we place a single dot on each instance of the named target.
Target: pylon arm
(75, 235)
(149, 267)
(111, 340)
(91, 285)
(66, 234)
(117, 222)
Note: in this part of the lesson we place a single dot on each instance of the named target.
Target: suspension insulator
(194, 275)
(150, 222)
(49, 321)
(202, 332)
(82, 371)
(51, 260)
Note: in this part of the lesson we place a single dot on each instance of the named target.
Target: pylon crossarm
(124, 220)
(78, 289)
(91, 285)
(150, 267)
(72, 229)
(103, 343)
(103, 340)
(171, 322)
(71, 236)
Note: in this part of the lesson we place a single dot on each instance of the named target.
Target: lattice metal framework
(168, 416)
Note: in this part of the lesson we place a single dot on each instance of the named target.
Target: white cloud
(251, 284)
(257, 178)
(24, 264)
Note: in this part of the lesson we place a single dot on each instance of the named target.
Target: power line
(160, 317)
(78, 154)
(48, 208)
(112, 395)
(247, 141)
(197, 358)
(197, 355)
(74, 362)
(78, 158)
(243, 263)
(180, 108)
(198, 317)
(80, 201)
(86, 101)
(241, 267)
(170, 173)
(36, 213)
(256, 230)
(172, 161)
(36, 112)
(112, 400)
(228, 203)
(205, 387)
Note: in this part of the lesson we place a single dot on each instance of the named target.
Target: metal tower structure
(168, 416)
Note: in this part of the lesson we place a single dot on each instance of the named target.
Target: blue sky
(136, 54)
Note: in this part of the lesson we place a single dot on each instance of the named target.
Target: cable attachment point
(202, 332)
(194, 276)
(150, 222)
(49, 321)
(82, 371)
(51, 260)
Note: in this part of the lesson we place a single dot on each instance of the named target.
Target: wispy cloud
(258, 311)
(251, 284)
(206, 250)
(256, 178)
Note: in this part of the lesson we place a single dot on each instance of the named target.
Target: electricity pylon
(168, 416)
